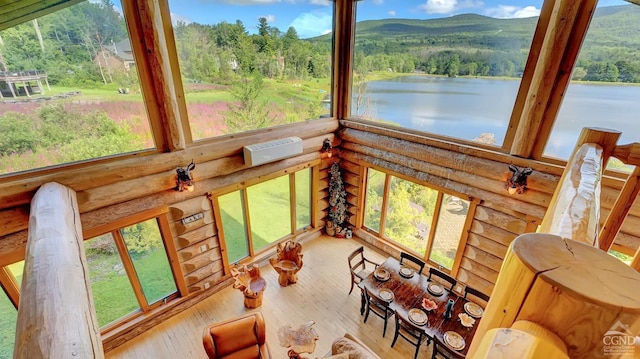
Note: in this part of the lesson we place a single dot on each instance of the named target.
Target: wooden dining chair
(358, 266)
(442, 351)
(410, 332)
(447, 278)
(378, 307)
(476, 293)
(417, 261)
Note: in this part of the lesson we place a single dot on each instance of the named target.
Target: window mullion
(385, 200)
(247, 219)
(292, 202)
(130, 269)
(8, 283)
(434, 223)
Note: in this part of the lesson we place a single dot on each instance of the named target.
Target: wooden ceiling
(14, 12)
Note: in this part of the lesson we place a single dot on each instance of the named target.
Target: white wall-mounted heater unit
(270, 151)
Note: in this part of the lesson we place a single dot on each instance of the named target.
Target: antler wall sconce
(184, 180)
(517, 183)
(326, 147)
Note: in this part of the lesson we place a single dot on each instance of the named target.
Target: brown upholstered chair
(243, 337)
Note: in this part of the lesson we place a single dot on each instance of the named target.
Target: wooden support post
(572, 289)
(635, 264)
(620, 209)
(574, 210)
(26, 89)
(56, 316)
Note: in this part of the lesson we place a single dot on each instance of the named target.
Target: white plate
(385, 294)
(454, 340)
(417, 316)
(473, 309)
(381, 274)
(406, 272)
(435, 289)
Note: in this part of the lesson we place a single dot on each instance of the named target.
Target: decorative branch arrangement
(337, 219)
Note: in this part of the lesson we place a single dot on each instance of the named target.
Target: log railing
(56, 316)
(561, 283)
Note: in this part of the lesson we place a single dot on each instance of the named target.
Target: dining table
(408, 293)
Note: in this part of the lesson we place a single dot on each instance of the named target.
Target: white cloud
(510, 12)
(321, 2)
(312, 24)
(448, 6)
(392, 13)
(270, 18)
(176, 17)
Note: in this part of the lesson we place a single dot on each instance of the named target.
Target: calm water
(466, 108)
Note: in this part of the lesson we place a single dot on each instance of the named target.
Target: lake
(467, 107)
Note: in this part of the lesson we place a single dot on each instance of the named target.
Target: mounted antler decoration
(517, 183)
(184, 180)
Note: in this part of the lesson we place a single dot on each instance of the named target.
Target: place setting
(406, 272)
(418, 316)
(382, 274)
(473, 309)
(435, 289)
(454, 340)
(386, 294)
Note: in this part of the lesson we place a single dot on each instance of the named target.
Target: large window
(249, 65)
(10, 276)
(129, 269)
(255, 217)
(69, 89)
(602, 92)
(444, 67)
(421, 219)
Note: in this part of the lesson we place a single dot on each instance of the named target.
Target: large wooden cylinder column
(574, 290)
(56, 317)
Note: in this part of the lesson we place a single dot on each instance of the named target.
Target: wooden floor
(319, 295)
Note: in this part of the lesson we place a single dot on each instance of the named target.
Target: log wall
(110, 191)
(478, 174)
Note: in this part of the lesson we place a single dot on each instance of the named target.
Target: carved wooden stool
(287, 262)
(250, 283)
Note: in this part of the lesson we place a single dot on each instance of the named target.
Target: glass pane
(269, 211)
(598, 94)
(71, 89)
(373, 199)
(8, 318)
(410, 210)
(16, 270)
(303, 198)
(415, 65)
(453, 214)
(244, 70)
(113, 295)
(146, 249)
(233, 225)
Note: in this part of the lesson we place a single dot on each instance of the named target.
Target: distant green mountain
(496, 47)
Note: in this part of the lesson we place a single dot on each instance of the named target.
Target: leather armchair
(243, 337)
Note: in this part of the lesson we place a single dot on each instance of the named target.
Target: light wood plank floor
(319, 295)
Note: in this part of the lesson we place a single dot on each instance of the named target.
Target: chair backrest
(291, 251)
(408, 327)
(444, 276)
(245, 333)
(476, 293)
(417, 261)
(442, 351)
(356, 258)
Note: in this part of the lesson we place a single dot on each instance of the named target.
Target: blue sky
(313, 17)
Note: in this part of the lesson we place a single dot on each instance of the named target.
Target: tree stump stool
(586, 297)
(287, 262)
(251, 284)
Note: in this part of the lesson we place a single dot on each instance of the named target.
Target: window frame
(473, 202)
(161, 216)
(242, 187)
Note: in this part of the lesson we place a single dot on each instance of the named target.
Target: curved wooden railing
(56, 316)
